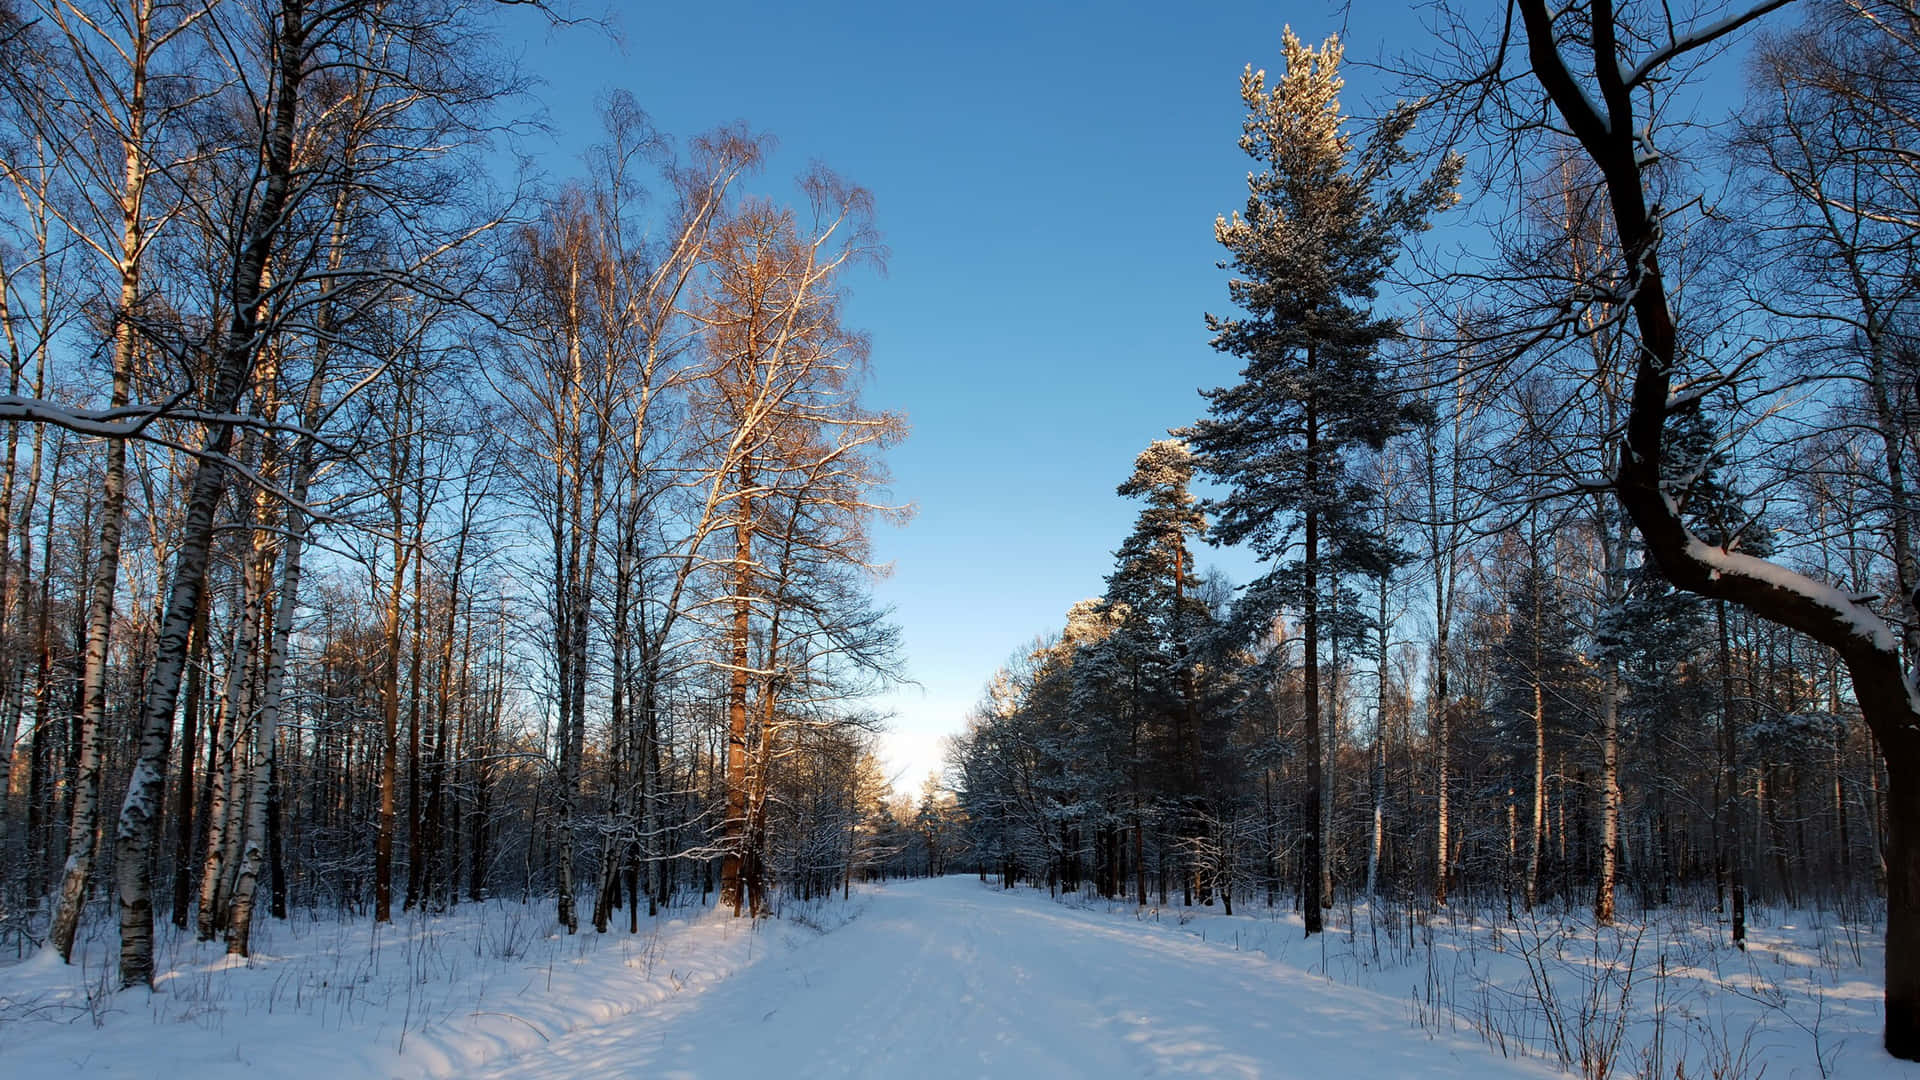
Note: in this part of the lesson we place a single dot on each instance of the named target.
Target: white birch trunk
(223, 814)
(83, 827)
(134, 834)
(266, 724)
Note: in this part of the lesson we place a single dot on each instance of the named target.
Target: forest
(387, 528)
(346, 492)
(1589, 575)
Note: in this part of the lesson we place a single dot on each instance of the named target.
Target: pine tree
(1158, 643)
(1321, 228)
(1714, 511)
(1655, 633)
(1538, 679)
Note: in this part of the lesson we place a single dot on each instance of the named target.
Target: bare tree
(91, 101)
(780, 403)
(1591, 74)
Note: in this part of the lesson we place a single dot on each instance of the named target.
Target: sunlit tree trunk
(134, 834)
(129, 200)
(267, 724)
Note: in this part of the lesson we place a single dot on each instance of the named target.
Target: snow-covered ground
(946, 978)
(1662, 995)
(427, 996)
(949, 978)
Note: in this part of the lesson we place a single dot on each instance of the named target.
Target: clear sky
(1046, 178)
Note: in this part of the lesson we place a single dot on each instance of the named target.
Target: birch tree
(91, 102)
(283, 117)
(779, 404)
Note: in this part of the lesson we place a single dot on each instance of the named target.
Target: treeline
(1153, 748)
(378, 537)
(1588, 568)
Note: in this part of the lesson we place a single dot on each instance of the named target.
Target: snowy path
(946, 978)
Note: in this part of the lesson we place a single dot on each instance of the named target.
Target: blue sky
(1046, 178)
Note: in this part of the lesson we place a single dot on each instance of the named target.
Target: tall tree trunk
(134, 834)
(616, 844)
(587, 545)
(75, 880)
(185, 789)
(735, 834)
(266, 725)
(416, 796)
(12, 668)
(760, 780)
(1443, 535)
(1378, 778)
(276, 847)
(1314, 870)
(401, 462)
(1537, 829)
(14, 593)
(1614, 539)
(480, 853)
(226, 811)
(437, 870)
(651, 781)
(1313, 858)
(389, 735)
(43, 637)
(1609, 789)
(1732, 840)
(13, 665)
(1903, 903)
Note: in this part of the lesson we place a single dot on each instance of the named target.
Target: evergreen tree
(1538, 680)
(1153, 572)
(1158, 642)
(1321, 227)
(1714, 511)
(1657, 634)
(1657, 630)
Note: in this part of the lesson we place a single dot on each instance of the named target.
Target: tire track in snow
(947, 978)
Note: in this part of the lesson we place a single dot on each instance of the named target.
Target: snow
(948, 977)
(1664, 994)
(104, 423)
(1859, 620)
(427, 996)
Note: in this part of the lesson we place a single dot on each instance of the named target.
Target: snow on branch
(123, 423)
(1841, 610)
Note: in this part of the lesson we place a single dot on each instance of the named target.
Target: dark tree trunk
(1607, 130)
(1312, 856)
(134, 835)
(183, 816)
(276, 845)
